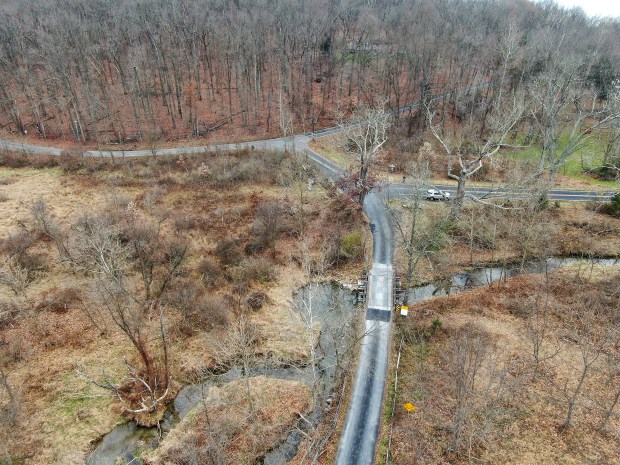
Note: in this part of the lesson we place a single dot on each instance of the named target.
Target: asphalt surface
(404, 190)
(359, 437)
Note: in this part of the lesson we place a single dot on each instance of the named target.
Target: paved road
(359, 437)
(404, 190)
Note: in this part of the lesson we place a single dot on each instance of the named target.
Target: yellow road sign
(409, 407)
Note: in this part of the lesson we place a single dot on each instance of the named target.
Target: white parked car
(434, 194)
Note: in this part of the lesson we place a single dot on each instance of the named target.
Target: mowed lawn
(588, 156)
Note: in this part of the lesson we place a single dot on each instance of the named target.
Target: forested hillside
(105, 71)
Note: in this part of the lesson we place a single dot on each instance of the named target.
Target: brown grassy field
(48, 339)
(483, 394)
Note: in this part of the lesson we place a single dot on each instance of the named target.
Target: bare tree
(472, 148)
(117, 258)
(468, 356)
(420, 241)
(539, 329)
(592, 339)
(366, 135)
(481, 382)
(269, 224)
(613, 369)
(566, 112)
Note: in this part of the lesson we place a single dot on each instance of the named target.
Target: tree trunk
(457, 204)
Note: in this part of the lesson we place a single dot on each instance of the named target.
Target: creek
(330, 305)
(327, 304)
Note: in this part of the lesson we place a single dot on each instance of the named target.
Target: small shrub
(6, 180)
(12, 160)
(8, 313)
(44, 223)
(257, 269)
(352, 247)
(198, 311)
(59, 300)
(256, 300)
(166, 181)
(209, 272)
(71, 161)
(268, 225)
(184, 295)
(3, 197)
(612, 208)
(214, 311)
(254, 247)
(33, 264)
(14, 349)
(604, 173)
(229, 252)
(18, 243)
(43, 161)
(436, 326)
(186, 222)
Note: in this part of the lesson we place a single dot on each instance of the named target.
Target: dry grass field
(493, 372)
(253, 234)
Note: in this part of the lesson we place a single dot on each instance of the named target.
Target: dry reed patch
(283, 334)
(238, 422)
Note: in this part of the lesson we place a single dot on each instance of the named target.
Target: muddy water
(326, 304)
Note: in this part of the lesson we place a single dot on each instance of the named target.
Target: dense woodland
(169, 271)
(116, 70)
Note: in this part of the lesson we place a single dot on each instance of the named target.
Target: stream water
(490, 275)
(328, 304)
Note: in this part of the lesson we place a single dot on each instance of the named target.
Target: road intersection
(360, 432)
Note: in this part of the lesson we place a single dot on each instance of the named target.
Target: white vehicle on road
(434, 194)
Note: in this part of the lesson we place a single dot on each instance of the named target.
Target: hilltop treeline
(121, 70)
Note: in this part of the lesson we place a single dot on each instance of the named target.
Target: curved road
(359, 437)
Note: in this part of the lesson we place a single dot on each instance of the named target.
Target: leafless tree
(366, 134)
(116, 258)
(483, 382)
(613, 370)
(420, 241)
(592, 339)
(539, 331)
(269, 224)
(566, 112)
(471, 149)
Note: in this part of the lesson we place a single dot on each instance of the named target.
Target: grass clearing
(577, 163)
(331, 148)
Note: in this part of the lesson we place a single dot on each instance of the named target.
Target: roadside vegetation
(521, 371)
(123, 280)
